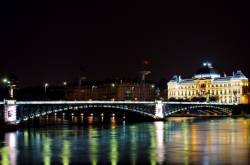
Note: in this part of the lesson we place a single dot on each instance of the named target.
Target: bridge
(15, 112)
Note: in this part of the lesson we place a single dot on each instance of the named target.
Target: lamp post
(113, 93)
(92, 91)
(157, 91)
(11, 87)
(45, 89)
(64, 89)
(132, 93)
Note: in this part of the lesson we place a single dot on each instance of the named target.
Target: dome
(206, 71)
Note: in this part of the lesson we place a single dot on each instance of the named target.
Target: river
(174, 141)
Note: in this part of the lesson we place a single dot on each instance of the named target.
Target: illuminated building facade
(210, 86)
(113, 91)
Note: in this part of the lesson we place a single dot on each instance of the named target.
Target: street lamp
(6, 81)
(45, 88)
(65, 83)
(158, 92)
(11, 87)
(132, 92)
(112, 92)
(92, 91)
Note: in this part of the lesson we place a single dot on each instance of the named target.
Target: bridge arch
(29, 112)
(178, 108)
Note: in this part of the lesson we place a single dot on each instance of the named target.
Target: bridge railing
(199, 103)
(117, 102)
(84, 102)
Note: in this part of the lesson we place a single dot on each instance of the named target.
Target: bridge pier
(159, 111)
(10, 112)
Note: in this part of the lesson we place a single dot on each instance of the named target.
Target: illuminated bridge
(19, 111)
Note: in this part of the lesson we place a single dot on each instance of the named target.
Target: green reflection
(46, 150)
(152, 148)
(114, 155)
(26, 138)
(133, 144)
(66, 152)
(93, 148)
(4, 155)
(186, 142)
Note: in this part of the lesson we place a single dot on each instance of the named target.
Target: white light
(46, 84)
(5, 80)
(11, 139)
(159, 109)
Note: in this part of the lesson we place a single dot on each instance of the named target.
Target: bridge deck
(117, 102)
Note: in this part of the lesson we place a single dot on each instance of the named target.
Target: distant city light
(46, 85)
(65, 83)
(5, 80)
(207, 64)
(146, 62)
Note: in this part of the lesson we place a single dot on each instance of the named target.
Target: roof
(222, 79)
(186, 81)
(206, 71)
(239, 76)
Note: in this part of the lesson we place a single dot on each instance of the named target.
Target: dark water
(176, 141)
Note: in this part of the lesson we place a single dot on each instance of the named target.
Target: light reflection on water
(185, 141)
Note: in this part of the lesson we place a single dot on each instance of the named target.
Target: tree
(213, 98)
(200, 99)
(172, 99)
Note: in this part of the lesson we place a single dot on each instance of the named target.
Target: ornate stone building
(211, 86)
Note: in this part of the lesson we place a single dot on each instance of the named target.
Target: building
(113, 91)
(208, 85)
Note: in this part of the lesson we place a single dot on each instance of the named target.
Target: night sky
(51, 40)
